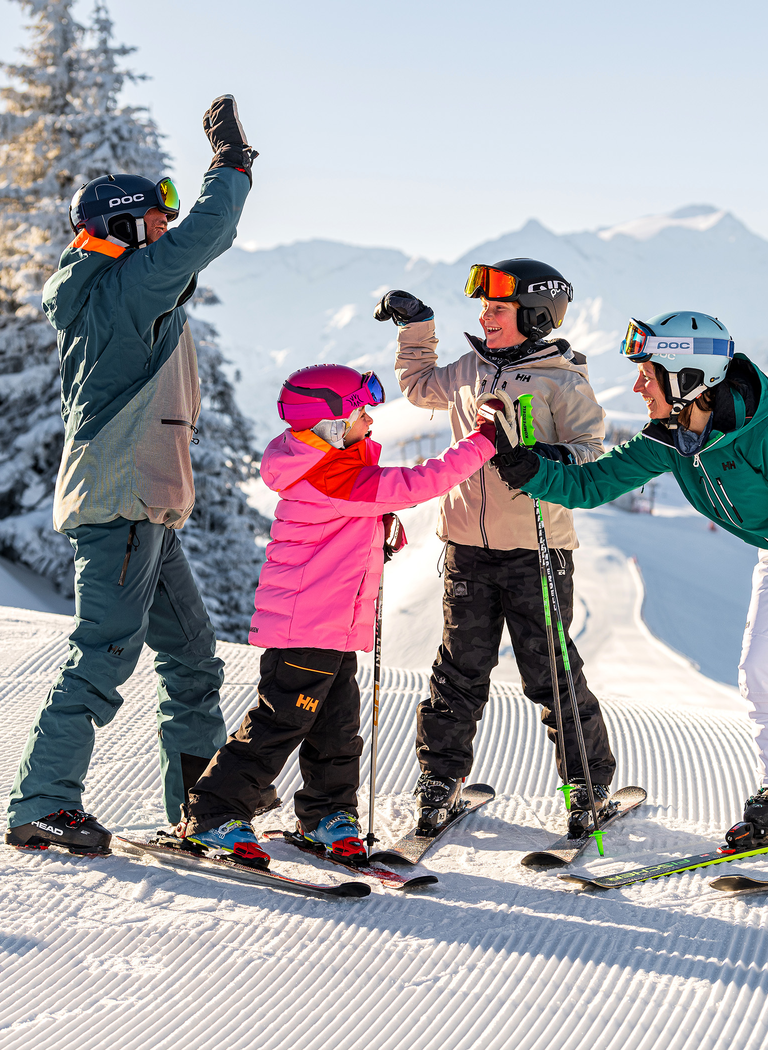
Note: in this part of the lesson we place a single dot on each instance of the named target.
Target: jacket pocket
(163, 466)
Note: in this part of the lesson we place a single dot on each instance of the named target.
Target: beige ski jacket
(482, 511)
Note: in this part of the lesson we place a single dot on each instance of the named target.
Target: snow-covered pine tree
(62, 126)
(219, 537)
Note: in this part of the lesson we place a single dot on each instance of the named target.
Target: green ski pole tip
(527, 436)
(566, 790)
(598, 837)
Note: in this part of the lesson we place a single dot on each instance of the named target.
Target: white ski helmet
(693, 349)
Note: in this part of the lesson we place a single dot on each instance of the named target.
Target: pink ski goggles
(341, 405)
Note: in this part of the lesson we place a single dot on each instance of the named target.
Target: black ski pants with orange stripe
(308, 698)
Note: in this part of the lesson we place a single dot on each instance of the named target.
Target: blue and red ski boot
(234, 837)
(339, 833)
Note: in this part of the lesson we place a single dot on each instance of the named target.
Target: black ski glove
(517, 464)
(226, 136)
(402, 307)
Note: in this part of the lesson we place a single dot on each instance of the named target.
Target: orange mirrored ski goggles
(489, 283)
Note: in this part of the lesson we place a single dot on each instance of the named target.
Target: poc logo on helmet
(683, 345)
(115, 202)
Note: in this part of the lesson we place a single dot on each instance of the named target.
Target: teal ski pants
(133, 585)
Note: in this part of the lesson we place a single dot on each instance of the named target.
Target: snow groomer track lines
(454, 965)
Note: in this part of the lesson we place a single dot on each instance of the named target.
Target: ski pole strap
(527, 436)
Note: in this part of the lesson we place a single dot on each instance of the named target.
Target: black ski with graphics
(391, 879)
(412, 846)
(670, 867)
(567, 849)
(225, 868)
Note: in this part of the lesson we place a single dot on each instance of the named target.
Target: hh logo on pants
(306, 702)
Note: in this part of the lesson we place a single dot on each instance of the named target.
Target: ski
(655, 871)
(230, 869)
(391, 879)
(567, 849)
(739, 883)
(414, 844)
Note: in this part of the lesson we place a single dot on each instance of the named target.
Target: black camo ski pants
(308, 698)
(483, 589)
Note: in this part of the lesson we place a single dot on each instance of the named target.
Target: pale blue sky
(432, 125)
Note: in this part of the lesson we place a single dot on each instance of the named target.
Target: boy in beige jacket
(491, 568)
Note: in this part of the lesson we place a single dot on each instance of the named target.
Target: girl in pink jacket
(315, 606)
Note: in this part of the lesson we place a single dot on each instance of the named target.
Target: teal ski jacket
(129, 385)
(727, 481)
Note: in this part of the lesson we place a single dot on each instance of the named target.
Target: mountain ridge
(298, 304)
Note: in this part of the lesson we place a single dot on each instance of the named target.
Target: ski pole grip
(527, 436)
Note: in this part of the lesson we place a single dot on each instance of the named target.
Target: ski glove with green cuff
(402, 307)
(226, 136)
(517, 464)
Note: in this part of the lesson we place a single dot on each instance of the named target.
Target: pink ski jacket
(319, 584)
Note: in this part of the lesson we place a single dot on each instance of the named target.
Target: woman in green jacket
(708, 410)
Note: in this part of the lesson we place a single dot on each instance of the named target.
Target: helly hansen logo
(306, 702)
(730, 465)
(520, 378)
(115, 650)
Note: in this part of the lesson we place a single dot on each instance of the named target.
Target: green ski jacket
(727, 481)
(129, 386)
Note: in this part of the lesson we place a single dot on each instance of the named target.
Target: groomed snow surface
(118, 952)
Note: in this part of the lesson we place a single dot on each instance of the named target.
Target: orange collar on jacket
(96, 244)
(337, 471)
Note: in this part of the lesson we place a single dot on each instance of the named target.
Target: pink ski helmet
(326, 392)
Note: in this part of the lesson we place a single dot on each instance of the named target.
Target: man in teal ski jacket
(709, 427)
(130, 401)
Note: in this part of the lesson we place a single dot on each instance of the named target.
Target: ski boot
(752, 832)
(580, 813)
(70, 829)
(436, 798)
(234, 837)
(339, 835)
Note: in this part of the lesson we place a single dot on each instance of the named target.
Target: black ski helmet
(113, 207)
(541, 290)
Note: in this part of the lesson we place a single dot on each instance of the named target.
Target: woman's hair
(705, 401)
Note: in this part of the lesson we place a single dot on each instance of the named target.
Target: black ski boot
(753, 832)
(70, 829)
(436, 797)
(580, 813)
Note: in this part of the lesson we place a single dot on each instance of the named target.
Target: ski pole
(370, 838)
(527, 438)
(394, 541)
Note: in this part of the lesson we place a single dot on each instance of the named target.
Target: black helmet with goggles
(113, 207)
(542, 292)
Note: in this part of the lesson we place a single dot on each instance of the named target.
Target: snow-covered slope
(21, 587)
(299, 304)
(121, 953)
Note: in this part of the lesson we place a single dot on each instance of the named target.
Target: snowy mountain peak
(698, 217)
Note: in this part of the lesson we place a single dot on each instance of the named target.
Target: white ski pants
(753, 666)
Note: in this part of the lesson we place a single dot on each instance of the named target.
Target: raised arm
(422, 382)
(163, 270)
